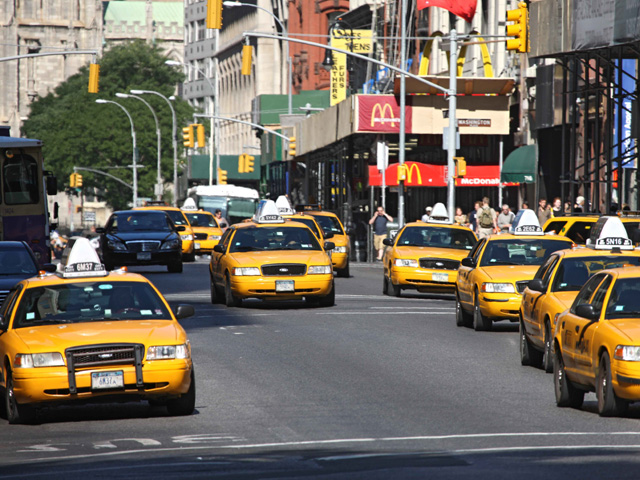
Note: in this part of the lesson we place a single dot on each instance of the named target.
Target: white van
(236, 203)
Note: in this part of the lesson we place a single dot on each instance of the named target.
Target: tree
(76, 131)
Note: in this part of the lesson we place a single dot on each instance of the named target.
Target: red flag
(465, 9)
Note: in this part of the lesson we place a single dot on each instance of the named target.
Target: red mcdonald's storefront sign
(427, 175)
(381, 113)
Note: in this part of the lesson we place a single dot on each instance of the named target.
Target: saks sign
(381, 113)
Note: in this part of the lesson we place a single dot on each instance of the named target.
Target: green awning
(520, 165)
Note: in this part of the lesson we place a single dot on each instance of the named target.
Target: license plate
(440, 277)
(285, 286)
(144, 256)
(197, 246)
(107, 380)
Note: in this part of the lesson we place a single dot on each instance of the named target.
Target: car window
(224, 240)
(273, 238)
(329, 224)
(555, 226)
(549, 272)
(438, 237)
(520, 251)
(547, 267)
(8, 303)
(601, 292)
(624, 301)
(177, 217)
(17, 261)
(202, 220)
(586, 292)
(580, 231)
(574, 272)
(139, 222)
(475, 253)
(89, 302)
(311, 224)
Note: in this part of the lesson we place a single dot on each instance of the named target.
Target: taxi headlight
(320, 269)
(340, 249)
(168, 352)
(215, 237)
(629, 353)
(406, 262)
(116, 245)
(186, 236)
(246, 271)
(498, 288)
(170, 245)
(27, 360)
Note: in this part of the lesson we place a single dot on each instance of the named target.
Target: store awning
(427, 175)
(521, 165)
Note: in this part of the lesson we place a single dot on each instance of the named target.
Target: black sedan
(17, 262)
(141, 237)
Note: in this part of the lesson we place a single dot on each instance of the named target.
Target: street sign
(89, 217)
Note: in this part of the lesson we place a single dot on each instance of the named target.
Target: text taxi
(426, 256)
(84, 334)
(332, 228)
(270, 258)
(494, 275)
(206, 231)
(597, 343)
(558, 281)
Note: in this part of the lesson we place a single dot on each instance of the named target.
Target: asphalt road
(374, 388)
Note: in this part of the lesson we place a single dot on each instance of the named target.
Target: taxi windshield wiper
(247, 248)
(502, 262)
(51, 320)
(412, 245)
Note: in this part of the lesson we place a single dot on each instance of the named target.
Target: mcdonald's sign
(381, 113)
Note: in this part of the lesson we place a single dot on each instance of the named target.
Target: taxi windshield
(139, 221)
(177, 217)
(202, 220)
(624, 301)
(309, 223)
(329, 224)
(273, 238)
(573, 273)
(440, 237)
(520, 251)
(85, 302)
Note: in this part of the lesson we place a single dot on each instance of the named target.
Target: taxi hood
(57, 338)
(254, 259)
(435, 252)
(511, 273)
(628, 327)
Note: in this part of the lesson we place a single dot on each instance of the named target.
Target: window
(20, 180)
(544, 269)
(587, 291)
(601, 292)
(624, 301)
(520, 252)
(555, 226)
(438, 237)
(273, 238)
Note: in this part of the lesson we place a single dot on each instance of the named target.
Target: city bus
(24, 186)
(235, 203)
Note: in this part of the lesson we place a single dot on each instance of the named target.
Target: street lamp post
(135, 150)
(159, 137)
(173, 142)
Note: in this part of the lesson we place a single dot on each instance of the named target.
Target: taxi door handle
(577, 328)
(562, 324)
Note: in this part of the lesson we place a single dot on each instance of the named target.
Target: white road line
(369, 312)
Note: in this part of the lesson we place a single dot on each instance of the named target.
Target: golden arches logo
(382, 112)
(410, 169)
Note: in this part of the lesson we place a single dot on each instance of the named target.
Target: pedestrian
(379, 222)
(505, 218)
(525, 205)
(460, 218)
(544, 212)
(223, 222)
(473, 214)
(556, 209)
(579, 206)
(425, 217)
(486, 219)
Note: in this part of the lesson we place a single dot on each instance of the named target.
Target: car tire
(16, 413)
(344, 272)
(609, 404)
(396, 291)
(175, 267)
(215, 295)
(190, 257)
(567, 395)
(186, 403)
(480, 322)
(385, 285)
(547, 357)
(330, 299)
(230, 299)
(463, 319)
(529, 356)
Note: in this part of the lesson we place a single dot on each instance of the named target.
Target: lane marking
(368, 312)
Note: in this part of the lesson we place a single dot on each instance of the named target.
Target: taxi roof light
(609, 234)
(189, 205)
(83, 261)
(284, 206)
(526, 223)
(267, 212)
(439, 214)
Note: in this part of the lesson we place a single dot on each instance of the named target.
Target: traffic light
(214, 14)
(94, 74)
(78, 180)
(187, 136)
(199, 134)
(519, 29)
(72, 180)
(241, 163)
(292, 146)
(249, 162)
(461, 166)
(247, 52)
(402, 172)
(222, 177)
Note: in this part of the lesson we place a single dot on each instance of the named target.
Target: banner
(381, 113)
(427, 175)
(465, 9)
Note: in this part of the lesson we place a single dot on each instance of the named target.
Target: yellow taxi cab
(558, 281)
(426, 256)
(205, 227)
(179, 219)
(288, 212)
(596, 343)
(86, 334)
(578, 226)
(493, 276)
(271, 259)
(332, 228)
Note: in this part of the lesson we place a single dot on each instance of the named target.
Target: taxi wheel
(463, 319)
(329, 300)
(230, 299)
(567, 395)
(385, 285)
(547, 359)
(16, 413)
(186, 404)
(609, 404)
(215, 294)
(528, 354)
(396, 291)
(480, 322)
(344, 272)
(190, 257)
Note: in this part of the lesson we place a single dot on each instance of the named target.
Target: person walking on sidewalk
(486, 219)
(379, 222)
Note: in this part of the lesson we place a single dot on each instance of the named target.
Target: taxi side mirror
(184, 311)
(587, 311)
(219, 248)
(468, 262)
(388, 242)
(180, 228)
(328, 235)
(49, 268)
(3, 323)
(329, 245)
(536, 285)
(100, 230)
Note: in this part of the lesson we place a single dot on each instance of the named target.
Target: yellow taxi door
(217, 258)
(533, 301)
(465, 276)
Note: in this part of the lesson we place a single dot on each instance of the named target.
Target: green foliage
(76, 131)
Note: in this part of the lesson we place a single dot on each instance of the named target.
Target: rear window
(555, 226)
(580, 231)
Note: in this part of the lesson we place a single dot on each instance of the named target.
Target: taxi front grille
(143, 245)
(108, 354)
(284, 269)
(521, 285)
(3, 295)
(200, 236)
(439, 263)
